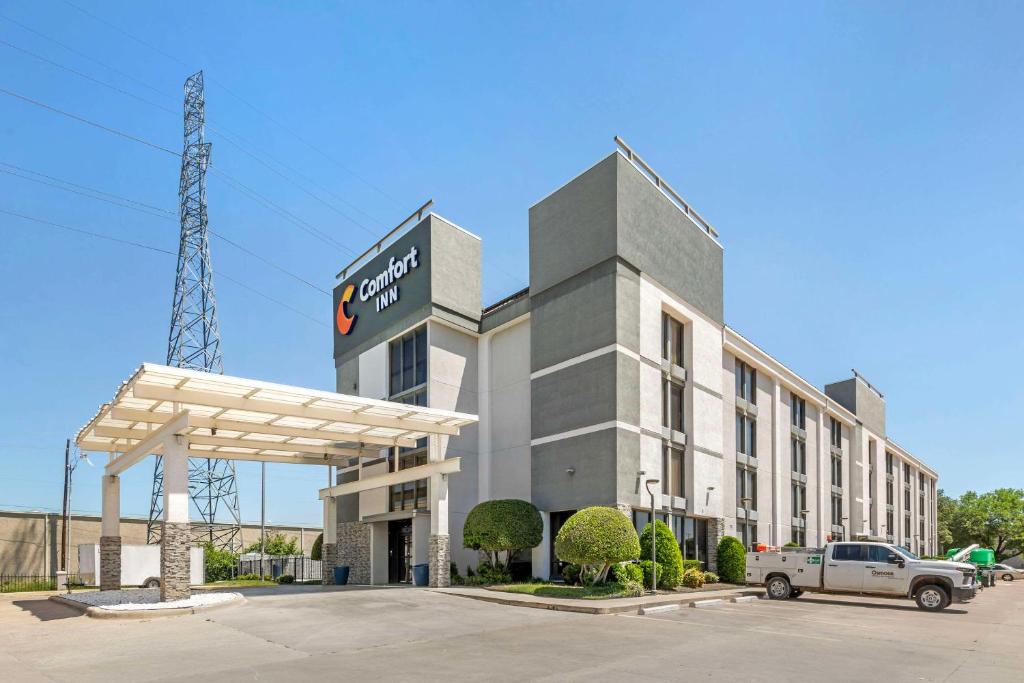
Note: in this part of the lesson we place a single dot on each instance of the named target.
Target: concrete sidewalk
(595, 606)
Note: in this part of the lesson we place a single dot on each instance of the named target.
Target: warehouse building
(614, 367)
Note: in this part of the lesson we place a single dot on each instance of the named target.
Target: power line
(259, 111)
(108, 129)
(165, 214)
(160, 250)
(306, 226)
(221, 134)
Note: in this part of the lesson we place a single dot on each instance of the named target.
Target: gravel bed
(146, 598)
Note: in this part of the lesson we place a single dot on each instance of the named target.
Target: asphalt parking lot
(385, 634)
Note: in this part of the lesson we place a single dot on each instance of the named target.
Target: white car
(1008, 573)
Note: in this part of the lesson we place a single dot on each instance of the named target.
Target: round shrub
(317, 551)
(710, 577)
(597, 537)
(285, 578)
(693, 578)
(646, 566)
(571, 574)
(496, 526)
(632, 589)
(689, 564)
(732, 560)
(670, 559)
(622, 573)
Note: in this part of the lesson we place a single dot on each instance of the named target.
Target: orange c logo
(344, 320)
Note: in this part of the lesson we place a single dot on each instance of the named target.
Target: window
(906, 529)
(798, 449)
(799, 411)
(746, 435)
(798, 500)
(906, 472)
(408, 356)
(920, 504)
(920, 480)
(837, 470)
(799, 536)
(747, 532)
(836, 432)
(695, 540)
(920, 538)
(889, 493)
(878, 553)
(888, 462)
(411, 495)
(850, 552)
(672, 474)
(671, 339)
(746, 488)
(890, 524)
(672, 404)
(837, 510)
(746, 382)
(906, 499)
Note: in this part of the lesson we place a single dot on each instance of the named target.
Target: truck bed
(802, 566)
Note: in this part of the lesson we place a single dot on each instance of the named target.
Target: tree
(670, 559)
(218, 565)
(277, 544)
(732, 560)
(597, 538)
(994, 520)
(947, 508)
(496, 526)
(317, 551)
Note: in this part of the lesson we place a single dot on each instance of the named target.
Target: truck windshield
(906, 553)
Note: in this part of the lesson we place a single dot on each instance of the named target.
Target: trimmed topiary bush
(596, 538)
(645, 566)
(732, 560)
(631, 571)
(670, 560)
(285, 578)
(503, 526)
(710, 577)
(693, 578)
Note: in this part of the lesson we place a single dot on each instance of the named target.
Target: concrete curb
(100, 613)
(581, 606)
(717, 602)
(658, 609)
(745, 598)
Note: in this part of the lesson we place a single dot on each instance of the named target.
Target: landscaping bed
(601, 592)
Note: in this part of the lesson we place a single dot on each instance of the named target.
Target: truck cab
(868, 568)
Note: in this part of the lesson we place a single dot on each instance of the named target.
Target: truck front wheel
(932, 598)
(777, 588)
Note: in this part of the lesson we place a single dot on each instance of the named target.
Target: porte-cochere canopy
(181, 414)
(243, 419)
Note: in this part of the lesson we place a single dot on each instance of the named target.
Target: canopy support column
(439, 550)
(110, 534)
(329, 547)
(175, 538)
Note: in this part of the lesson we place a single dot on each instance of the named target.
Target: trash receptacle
(341, 575)
(420, 574)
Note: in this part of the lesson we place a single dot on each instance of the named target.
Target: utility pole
(64, 509)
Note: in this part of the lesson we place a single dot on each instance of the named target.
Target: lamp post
(654, 538)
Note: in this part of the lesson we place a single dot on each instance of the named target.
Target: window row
(746, 435)
(408, 360)
(672, 340)
(746, 382)
(673, 474)
(746, 488)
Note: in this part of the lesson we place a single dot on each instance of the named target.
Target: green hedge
(693, 578)
(628, 572)
(670, 559)
(689, 564)
(732, 560)
(646, 566)
(496, 526)
(597, 538)
(710, 577)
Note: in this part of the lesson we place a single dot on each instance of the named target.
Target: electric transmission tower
(194, 341)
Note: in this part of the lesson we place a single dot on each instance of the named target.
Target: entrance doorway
(557, 520)
(400, 551)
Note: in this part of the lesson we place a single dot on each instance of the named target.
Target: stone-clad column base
(110, 563)
(354, 551)
(439, 553)
(329, 560)
(175, 564)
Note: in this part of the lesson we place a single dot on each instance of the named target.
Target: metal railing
(302, 567)
(18, 583)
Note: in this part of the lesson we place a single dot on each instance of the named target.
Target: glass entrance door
(400, 551)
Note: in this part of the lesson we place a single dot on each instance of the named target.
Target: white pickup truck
(867, 568)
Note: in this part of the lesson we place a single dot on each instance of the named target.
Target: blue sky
(861, 161)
